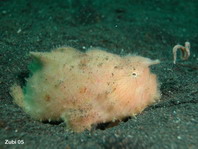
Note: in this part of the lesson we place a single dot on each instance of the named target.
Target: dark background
(148, 28)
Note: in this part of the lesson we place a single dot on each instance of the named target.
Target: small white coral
(185, 51)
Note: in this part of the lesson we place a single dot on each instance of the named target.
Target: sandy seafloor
(148, 28)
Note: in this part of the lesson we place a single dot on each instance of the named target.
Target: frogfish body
(86, 88)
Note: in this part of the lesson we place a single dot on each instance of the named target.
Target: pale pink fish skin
(87, 88)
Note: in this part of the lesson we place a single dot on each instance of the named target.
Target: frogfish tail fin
(17, 93)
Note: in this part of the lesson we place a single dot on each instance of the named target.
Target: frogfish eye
(134, 74)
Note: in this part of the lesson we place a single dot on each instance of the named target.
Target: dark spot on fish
(83, 90)
(113, 89)
(47, 98)
(82, 65)
(100, 64)
(71, 67)
(118, 67)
